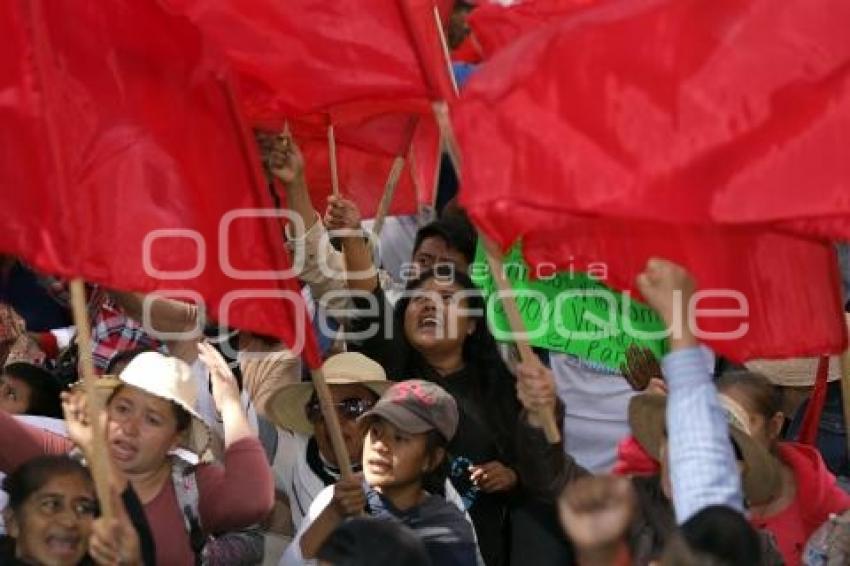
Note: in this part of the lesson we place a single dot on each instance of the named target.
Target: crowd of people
(210, 460)
(218, 449)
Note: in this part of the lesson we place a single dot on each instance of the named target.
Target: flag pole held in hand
(323, 392)
(98, 464)
(494, 258)
(526, 354)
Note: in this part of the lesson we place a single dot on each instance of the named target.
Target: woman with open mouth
(150, 414)
(52, 518)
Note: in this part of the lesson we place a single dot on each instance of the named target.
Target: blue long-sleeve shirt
(703, 470)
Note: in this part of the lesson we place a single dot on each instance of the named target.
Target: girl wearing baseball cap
(404, 450)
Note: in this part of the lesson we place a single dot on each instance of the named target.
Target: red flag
(735, 111)
(495, 26)
(308, 55)
(362, 176)
(369, 67)
(592, 138)
(125, 163)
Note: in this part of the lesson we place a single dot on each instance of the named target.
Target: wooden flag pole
(445, 45)
(332, 155)
(526, 354)
(323, 392)
(98, 464)
(389, 192)
(494, 257)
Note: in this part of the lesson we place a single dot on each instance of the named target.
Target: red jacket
(817, 497)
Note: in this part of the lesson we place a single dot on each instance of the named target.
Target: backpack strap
(186, 489)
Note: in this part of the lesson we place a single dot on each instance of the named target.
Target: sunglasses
(348, 409)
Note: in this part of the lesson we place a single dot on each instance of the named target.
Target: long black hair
(494, 383)
(45, 389)
(478, 348)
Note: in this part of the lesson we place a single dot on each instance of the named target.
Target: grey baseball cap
(417, 406)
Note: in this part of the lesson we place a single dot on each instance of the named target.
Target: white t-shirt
(596, 408)
(595, 412)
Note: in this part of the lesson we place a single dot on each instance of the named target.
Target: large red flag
(369, 67)
(125, 162)
(734, 111)
(683, 127)
(304, 56)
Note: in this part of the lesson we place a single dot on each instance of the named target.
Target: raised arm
(360, 272)
(703, 470)
(320, 266)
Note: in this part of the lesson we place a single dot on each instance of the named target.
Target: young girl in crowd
(27, 389)
(404, 451)
(808, 493)
(52, 519)
(149, 414)
(439, 333)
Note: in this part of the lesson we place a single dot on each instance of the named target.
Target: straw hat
(168, 378)
(761, 477)
(287, 407)
(796, 372)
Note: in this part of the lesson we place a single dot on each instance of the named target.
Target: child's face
(393, 458)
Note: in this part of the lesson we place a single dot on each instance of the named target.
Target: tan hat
(288, 407)
(796, 372)
(171, 379)
(761, 477)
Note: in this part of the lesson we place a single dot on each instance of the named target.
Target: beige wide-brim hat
(796, 372)
(171, 379)
(761, 477)
(288, 407)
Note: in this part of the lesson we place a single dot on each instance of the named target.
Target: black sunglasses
(349, 409)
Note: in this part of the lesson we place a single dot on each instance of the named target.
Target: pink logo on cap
(412, 391)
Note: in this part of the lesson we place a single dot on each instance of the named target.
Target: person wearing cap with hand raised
(404, 451)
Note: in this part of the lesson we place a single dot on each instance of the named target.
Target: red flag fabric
(495, 26)
(705, 132)
(310, 55)
(735, 111)
(125, 162)
(758, 287)
(362, 177)
(369, 67)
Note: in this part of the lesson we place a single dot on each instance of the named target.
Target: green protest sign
(570, 312)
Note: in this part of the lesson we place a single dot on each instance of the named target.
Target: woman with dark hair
(52, 518)
(27, 389)
(439, 333)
